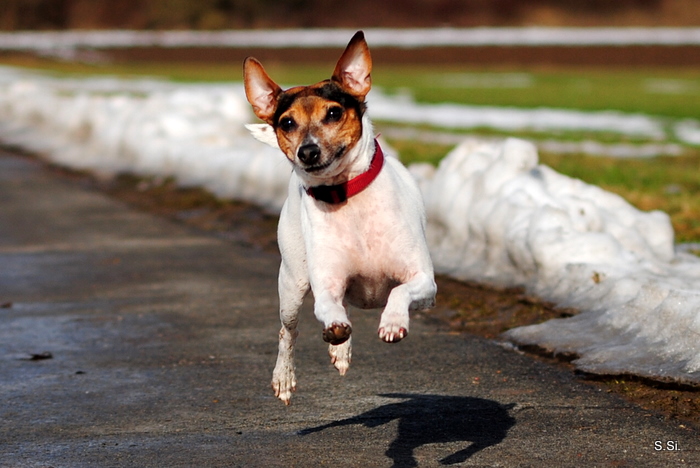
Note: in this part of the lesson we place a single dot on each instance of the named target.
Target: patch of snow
(496, 216)
(670, 86)
(379, 37)
(588, 147)
(615, 150)
(193, 133)
(403, 109)
(688, 131)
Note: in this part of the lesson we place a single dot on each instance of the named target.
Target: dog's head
(315, 125)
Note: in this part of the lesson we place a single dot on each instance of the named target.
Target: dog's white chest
(366, 245)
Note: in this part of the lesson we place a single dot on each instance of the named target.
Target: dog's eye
(334, 114)
(287, 124)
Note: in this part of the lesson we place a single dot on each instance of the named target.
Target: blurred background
(555, 95)
(225, 14)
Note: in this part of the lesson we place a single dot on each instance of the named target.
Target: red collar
(334, 194)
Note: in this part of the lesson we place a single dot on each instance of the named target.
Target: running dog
(352, 229)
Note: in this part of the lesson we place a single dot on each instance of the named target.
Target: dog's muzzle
(309, 154)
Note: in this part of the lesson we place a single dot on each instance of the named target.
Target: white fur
(264, 133)
(376, 239)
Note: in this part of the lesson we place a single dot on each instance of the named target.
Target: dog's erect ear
(260, 90)
(352, 72)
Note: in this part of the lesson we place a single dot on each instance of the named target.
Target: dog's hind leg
(341, 355)
(291, 292)
(416, 294)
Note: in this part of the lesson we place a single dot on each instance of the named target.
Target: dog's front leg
(416, 294)
(329, 310)
(337, 330)
(291, 293)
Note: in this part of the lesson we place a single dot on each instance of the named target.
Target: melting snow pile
(193, 133)
(494, 215)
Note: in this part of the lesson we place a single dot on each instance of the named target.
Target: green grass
(663, 92)
(175, 71)
(416, 151)
(672, 92)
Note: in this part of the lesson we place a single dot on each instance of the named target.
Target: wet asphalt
(127, 340)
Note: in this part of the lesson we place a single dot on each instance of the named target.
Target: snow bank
(495, 216)
(192, 133)
(403, 109)
(587, 147)
(535, 36)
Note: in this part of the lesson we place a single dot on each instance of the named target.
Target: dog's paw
(392, 333)
(283, 384)
(393, 326)
(337, 333)
(341, 356)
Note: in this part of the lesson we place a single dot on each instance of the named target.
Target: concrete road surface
(130, 341)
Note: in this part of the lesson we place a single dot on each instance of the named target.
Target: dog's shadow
(434, 419)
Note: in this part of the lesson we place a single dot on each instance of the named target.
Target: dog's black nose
(309, 154)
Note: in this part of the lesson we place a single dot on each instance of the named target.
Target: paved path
(163, 340)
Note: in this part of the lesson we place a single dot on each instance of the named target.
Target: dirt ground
(465, 307)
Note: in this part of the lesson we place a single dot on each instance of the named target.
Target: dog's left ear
(352, 72)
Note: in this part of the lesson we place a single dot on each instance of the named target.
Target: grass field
(659, 91)
(668, 183)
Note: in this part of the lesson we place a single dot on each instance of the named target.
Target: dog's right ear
(260, 90)
(354, 68)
